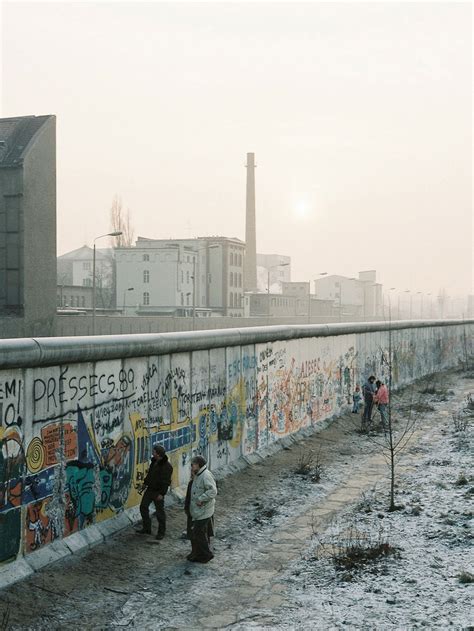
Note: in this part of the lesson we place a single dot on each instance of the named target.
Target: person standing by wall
(157, 483)
(356, 400)
(381, 399)
(201, 508)
(369, 392)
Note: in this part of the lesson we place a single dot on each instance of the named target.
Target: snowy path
(263, 575)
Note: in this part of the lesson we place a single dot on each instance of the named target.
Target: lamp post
(109, 234)
(390, 305)
(268, 282)
(124, 295)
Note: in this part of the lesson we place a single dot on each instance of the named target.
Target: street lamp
(390, 305)
(109, 234)
(268, 282)
(124, 294)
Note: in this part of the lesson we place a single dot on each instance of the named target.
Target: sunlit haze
(359, 116)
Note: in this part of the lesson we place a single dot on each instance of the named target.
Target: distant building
(74, 296)
(75, 269)
(27, 226)
(273, 267)
(260, 304)
(359, 297)
(161, 273)
(470, 306)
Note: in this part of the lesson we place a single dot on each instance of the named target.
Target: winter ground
(276, 534)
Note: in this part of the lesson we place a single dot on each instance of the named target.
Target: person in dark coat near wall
(157, 483)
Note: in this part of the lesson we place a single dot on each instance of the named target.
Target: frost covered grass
(412, 568)
(352, 548)
(309, 465)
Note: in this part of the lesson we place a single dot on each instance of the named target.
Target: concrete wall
(118, 325)
(78, 416)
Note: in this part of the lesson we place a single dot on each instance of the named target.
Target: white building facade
(203, 276)
(361, 297)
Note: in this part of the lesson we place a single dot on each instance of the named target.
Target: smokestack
(250, 270)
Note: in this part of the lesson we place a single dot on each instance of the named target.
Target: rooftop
(15, 136)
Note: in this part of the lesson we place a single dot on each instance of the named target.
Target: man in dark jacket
(157, 482)
(368, 391)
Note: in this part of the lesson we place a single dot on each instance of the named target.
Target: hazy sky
(359, 115)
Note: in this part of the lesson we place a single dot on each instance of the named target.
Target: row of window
(146, 299)
(74, 301)
(280, 302)
(236, 259)
(235, 300)
(235, 280)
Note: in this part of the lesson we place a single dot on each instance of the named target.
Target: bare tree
(398, 429)
(120, 222)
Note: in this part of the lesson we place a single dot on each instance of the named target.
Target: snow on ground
(265, 574)
(434, 536)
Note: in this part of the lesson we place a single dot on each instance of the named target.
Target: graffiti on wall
(76, 440)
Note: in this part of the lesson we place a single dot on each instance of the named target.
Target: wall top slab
(50, 351)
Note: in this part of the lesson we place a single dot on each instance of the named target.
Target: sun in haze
(301, 209)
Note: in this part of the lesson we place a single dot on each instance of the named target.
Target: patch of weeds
(466, 578)
(263, 514)
(460, 422)
(470, 402)
(419, 408)
(439, 463)
(5, 618)
(366, 501)
(462, 479)
(352, 549)
(309, 465)
(429, 390)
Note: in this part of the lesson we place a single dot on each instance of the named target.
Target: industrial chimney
(250, 269)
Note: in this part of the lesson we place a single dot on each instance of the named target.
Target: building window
(146, 276)
(146, 257)
(87, 282)
(182, 299)
(187, 300)
(231, 279)
(182, 276)
(240, 280)
(86, 265)
(231, 299)
(187, 277)
(231, 258)
(83, 301)
(146, 298)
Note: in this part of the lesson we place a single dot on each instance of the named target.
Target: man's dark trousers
(147, 499)
(200, 540)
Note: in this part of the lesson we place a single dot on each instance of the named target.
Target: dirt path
(266, 514)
